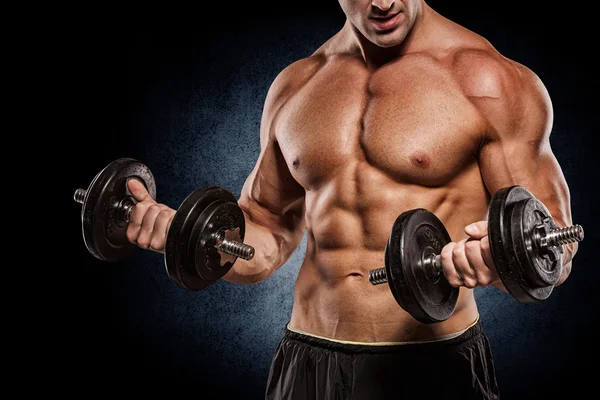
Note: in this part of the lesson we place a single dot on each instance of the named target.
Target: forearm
(273, 246)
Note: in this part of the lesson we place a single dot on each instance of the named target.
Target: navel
(296, 163)
(420, 159)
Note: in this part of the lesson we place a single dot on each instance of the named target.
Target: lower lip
(386, 24)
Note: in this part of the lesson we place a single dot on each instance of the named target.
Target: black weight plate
(179, 249)
(416, 233)
(540, 268)
(501, 245)
(103, 233)
(223, 216)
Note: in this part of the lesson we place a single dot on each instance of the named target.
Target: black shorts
(307, 367)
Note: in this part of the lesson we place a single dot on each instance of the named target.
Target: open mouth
(386, 23)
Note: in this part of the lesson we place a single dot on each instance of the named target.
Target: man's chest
(413, 124)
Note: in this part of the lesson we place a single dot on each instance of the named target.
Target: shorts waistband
(472, 331)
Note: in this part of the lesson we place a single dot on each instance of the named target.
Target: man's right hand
(149, 221)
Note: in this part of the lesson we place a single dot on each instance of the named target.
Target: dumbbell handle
(228, 246)
(432, 264)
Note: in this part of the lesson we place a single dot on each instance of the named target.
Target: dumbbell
(205, 238)
(525, 243)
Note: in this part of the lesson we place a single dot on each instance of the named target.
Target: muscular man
(401, 108)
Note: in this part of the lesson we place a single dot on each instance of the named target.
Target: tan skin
(376, 122)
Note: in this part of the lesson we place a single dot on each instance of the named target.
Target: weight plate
(221, 217)
(503, 252)
(104, 233)
(180, 246)
(540, 266)
(417, 234)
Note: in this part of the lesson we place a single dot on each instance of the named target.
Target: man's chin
(390, 38)
(386, 42)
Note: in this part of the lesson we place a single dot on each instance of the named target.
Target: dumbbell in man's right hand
(149, 221)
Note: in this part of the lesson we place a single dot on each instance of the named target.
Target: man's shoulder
(303, 68)
(480, 68)
(295, 75)
(482, 71)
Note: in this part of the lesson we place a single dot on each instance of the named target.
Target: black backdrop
(183, 91)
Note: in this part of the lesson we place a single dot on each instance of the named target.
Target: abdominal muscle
(344, 305)
(333, 297)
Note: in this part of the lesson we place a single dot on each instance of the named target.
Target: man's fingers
(461, 263)
(161, 227)
(135, 221)
(486, 252)
(452, 276)
(148, 225)
(137, 189)
(483, 273)
(477, 230)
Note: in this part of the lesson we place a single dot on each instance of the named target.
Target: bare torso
(367, 144)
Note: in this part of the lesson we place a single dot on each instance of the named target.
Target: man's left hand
(469, 262)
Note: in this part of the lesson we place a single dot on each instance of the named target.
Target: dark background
(183, 92)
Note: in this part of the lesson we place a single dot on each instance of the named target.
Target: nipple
(420, 159)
